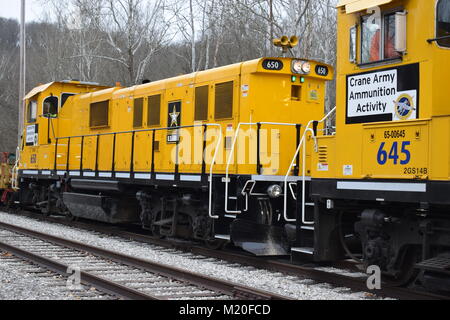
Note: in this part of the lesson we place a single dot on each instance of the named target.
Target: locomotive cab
(393, 123)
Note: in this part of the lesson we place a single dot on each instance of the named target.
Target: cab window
(50, 109)
(32, 111)
(64, 98)
(378, 39)
(443, 23)
(389, 37)
(370, 41)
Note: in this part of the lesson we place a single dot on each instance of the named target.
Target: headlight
(275, 191)
(306, 67)
(297, 66)
(301, 67)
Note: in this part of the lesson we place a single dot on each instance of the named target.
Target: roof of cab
(358, 5)
(44, 87)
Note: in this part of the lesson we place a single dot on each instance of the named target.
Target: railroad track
(120, 275)
(43, 277)
(356, 284)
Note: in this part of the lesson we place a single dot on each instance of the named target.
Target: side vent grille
(323, 155)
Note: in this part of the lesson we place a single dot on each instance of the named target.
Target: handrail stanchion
(258, 150)
(133, 141)
(303, 144)
(204, 135)
(211, 172)
(113, 164)
(233, 146)
(153, 154)
(56, 156)
(96, 154)
(68, 157)
(81, 156)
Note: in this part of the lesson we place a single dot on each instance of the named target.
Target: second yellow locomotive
(200, 156)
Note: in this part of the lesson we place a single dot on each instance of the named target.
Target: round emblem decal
(404, 107)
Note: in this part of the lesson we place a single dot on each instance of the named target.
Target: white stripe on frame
(89, 174)
(382, 186)
(142, 176)
(190, 178)
(167, 177)
(105, 174)
(30, 172)
(123, 175)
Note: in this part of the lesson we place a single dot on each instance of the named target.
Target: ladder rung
(310, 204)
(307, 228)
(223, 237)
(309, 251)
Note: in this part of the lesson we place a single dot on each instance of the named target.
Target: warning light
(294, 79)
(302, 80)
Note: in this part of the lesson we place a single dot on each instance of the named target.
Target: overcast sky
(11, 9)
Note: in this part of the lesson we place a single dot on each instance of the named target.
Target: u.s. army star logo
(174, 117)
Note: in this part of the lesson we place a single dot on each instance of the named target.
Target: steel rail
(336, 280)
(101, 284)
(214, 284)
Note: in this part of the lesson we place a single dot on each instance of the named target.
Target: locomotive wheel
(408, 272)
(156, 230)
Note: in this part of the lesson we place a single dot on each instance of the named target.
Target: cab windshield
(443, 23)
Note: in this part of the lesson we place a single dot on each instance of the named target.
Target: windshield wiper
(438, 38)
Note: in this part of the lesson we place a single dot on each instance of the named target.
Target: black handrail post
(49, 140)
(56, 155)
(258, 150)
(132, 152)
(153, 154)
(82, 154)
(113, 165)
(96, 154)
(205, 130)
(177, 156)
(68, 155)
(298, 128)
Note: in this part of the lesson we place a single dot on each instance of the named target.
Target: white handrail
(211, 171)
(15, 176)
(230, 158)
(302, 143)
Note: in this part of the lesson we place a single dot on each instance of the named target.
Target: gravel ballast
(290, 286)
(17, 283)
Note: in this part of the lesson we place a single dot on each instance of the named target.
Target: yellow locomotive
(384, 176)
(167, 154)
(245, 153)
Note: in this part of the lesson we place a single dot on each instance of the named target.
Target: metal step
(309, 228)
(309, 251)
(310, 204)
(230, 216)
(223, 237)
(439, 264)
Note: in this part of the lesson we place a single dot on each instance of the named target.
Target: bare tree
(86, 35)
(135, 29)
